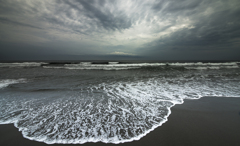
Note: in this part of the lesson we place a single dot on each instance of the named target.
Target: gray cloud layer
(154, 29)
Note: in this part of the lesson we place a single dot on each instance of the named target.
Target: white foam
(23, 64)
(231, 67)
(111, 112)
(113, 62)
(117, 66)
(211, 67)
(54, 67)
(223, 64)
(110, 66)
(204, 64)
(7, 82)
(85, 63)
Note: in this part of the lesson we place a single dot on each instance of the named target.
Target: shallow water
(111, 103)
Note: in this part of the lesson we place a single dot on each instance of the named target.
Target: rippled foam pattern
(110, 109)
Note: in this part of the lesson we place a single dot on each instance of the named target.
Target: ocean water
(110, 103)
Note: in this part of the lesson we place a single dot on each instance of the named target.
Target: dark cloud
(155, 29)
(102, 17)
(15, 23)
(217, 31)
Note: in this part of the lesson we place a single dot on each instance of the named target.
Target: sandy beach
(212, 121)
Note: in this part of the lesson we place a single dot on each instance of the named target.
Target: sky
(119, 29)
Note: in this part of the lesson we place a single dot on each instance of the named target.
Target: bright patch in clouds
(121, 53)
(143, 27)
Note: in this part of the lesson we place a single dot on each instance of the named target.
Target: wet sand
(209, 121)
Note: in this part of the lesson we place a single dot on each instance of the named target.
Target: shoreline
(205, 121)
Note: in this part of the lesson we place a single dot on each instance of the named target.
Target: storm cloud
(153, 29)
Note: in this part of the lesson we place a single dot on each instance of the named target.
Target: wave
(7, 82)
(110, 112)
(113, 62)
(92, 67)
(85, 63)
(23, 64)
(204, 64)
(121, 66)
(212, 67)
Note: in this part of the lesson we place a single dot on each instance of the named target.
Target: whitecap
(7, 82)
(22, 64)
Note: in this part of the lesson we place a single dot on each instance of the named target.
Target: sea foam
(22, 64)
(110, 112)
(6, 82)
(122, 66)
(126, 66)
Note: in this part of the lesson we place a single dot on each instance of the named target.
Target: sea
(109, 102)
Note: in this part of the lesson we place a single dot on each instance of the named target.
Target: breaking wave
(6, 82)
(121, 66)
(22, 64)
(109, 111)
(125, 66)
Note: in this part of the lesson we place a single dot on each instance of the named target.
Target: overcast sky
(108, 29)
